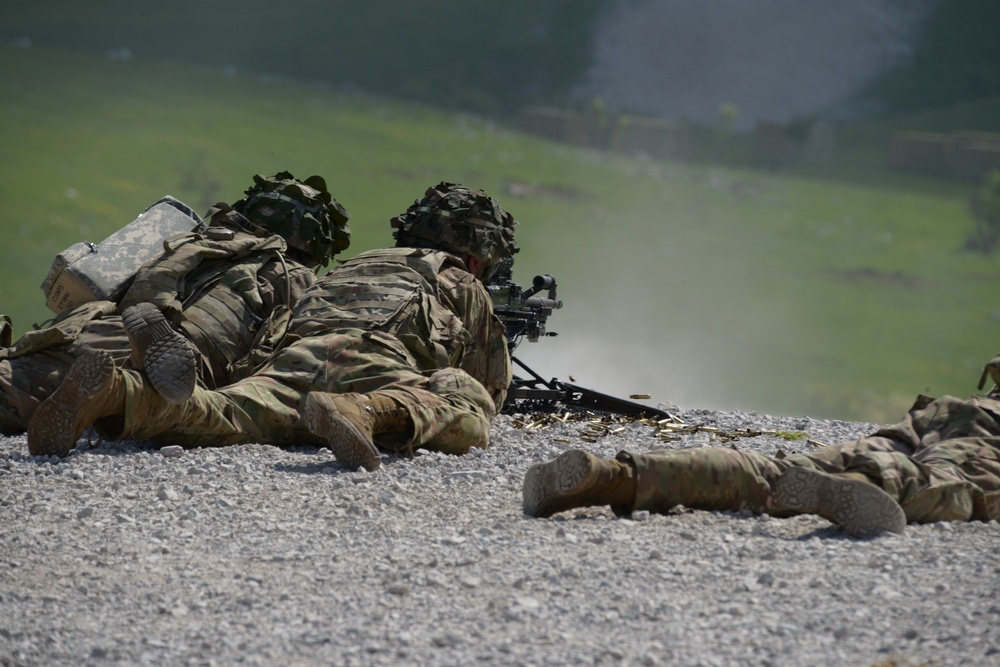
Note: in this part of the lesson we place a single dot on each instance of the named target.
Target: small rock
(528, 603)
(172, 451)
(85, 512)
(448, 640)
(468, 474)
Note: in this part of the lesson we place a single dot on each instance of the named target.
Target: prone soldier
(396, 348)
(194, 311)
(941, 463)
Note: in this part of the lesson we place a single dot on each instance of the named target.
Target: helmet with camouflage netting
(461, 221)
(303, 212)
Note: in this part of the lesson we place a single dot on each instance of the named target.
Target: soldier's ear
(475, 265)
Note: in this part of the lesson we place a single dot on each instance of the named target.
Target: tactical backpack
(103, 272)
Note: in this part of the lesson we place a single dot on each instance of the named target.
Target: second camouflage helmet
(303, 212)
(459, 220)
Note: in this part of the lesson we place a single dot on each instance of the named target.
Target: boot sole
(57, 424)
(548, 486)
(860, 508)
(169, 360)
(348, 444)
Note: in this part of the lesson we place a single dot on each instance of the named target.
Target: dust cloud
(774, 60)
(666, 316)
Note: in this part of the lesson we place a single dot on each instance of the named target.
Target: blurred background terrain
(767, 205)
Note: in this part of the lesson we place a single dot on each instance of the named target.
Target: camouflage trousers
(942, 463)
(32, 368)
(450, 410)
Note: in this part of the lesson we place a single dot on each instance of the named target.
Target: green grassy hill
(704, 286)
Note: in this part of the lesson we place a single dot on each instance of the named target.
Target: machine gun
(524, 314)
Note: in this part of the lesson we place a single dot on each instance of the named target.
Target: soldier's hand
(992, 369)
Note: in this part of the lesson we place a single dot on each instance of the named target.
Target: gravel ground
(258, 555)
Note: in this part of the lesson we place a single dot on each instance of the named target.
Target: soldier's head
(303, 212)
(465, 222)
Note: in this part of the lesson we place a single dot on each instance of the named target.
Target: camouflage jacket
(220, 292)
(427, 299)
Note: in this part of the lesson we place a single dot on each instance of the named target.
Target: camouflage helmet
(461, 221)
(303, 212)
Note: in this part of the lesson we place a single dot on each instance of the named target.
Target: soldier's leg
(167, 357)
(723, 479)
(448, 412)
(953, 480)
(24, 383)
(40, 362)
(943, 480)
(373, 394)
(124, 405)
(718, 479)
(256, 409)
(92, 387)
(706, 478)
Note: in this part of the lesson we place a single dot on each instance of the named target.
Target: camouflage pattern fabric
(942, 463)
(32, 368)
(431, 342)
(218, 292)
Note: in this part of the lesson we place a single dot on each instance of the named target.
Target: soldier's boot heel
(92, 388)
(167, 357)
(346, 427)
(859, 507)
(577, 479)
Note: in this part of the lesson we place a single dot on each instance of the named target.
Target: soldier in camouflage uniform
(942, 463)
(194, 311)
(397, 346)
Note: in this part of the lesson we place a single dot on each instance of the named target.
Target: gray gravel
(258, 555)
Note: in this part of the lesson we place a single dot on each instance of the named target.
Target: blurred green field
(838, 294)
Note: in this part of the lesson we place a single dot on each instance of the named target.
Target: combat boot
(577, 479)
(858, 506)
(92, 388)
(349, 422)
(167, 357)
